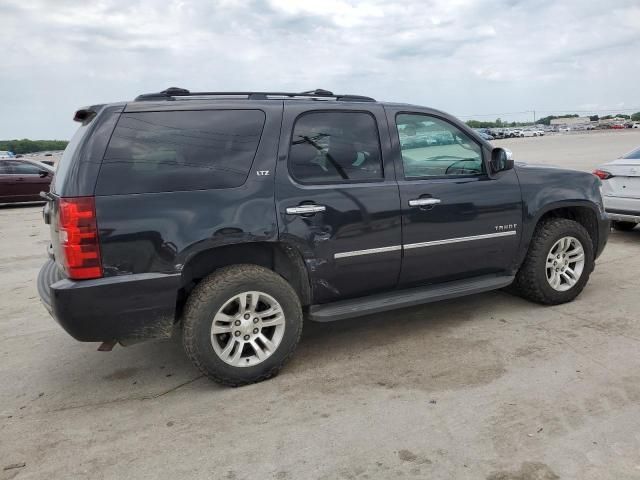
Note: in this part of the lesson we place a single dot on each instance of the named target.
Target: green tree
(30, 146)
(636, 117)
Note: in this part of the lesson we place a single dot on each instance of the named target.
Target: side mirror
(43, 173)
(501, 160)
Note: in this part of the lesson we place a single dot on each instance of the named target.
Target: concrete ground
(485, 387)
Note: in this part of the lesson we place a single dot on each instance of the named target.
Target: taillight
(78, 233)
(602, 174)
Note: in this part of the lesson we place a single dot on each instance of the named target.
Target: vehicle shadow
(426, 347)
(17, 206)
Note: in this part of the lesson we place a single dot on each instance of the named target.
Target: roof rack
(317, 94)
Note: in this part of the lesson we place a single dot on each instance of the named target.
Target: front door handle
(424, 202)
(305, 209)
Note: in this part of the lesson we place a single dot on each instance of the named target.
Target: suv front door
(337, 198)
(457, 221)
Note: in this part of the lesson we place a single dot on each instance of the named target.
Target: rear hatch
(625, 180)
(77, 170)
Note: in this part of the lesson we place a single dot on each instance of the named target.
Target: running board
(382, 302)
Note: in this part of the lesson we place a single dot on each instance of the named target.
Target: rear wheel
(624, 226)
(241, 324)
(558, 263)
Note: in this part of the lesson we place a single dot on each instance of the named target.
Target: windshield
(634, 154)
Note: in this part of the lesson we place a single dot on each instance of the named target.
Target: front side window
(433, 148)
(180, 150)
(335, 147)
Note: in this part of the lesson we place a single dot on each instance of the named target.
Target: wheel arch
(585, 213)
(280, 257)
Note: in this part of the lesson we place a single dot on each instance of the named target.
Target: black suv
(231, 216)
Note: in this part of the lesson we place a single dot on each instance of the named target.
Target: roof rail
(172, 92)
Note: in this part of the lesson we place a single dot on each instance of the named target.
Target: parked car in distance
(230, 220)
(617, 126)
(496, 133)
(22, 180)
(636, 125)
(6, 154)
(485, 136)
(530, 132)
(621, 190)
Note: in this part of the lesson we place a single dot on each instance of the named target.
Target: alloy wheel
(565, 263)
(247, 329)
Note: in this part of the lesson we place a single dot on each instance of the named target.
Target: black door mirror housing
(43, 173)
(501, 160)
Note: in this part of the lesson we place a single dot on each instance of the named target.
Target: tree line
(30, 146)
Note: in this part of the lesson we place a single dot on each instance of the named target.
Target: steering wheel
(464, 170)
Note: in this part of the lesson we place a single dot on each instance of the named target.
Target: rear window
(180, 150)
(64, 165)
(635, 154)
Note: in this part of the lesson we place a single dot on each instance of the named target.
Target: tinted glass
(24, 168)
(635, 154)
(4, 168)
(433, 147)
(335, 147)
(180, 150)
(67, 158)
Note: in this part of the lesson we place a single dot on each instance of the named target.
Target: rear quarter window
(635, 154)
(180, 150)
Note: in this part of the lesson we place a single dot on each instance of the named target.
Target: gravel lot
(485, 387)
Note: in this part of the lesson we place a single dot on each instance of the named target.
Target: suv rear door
(457, 221)
(337, 198)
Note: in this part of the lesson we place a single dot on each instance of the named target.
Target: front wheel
(558, 263)
(241, 324)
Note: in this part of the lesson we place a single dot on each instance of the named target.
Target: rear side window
(180, 150)
(335, 147)
(635, 154)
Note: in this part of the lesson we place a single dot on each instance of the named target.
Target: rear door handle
(305, 209)
(423, 202)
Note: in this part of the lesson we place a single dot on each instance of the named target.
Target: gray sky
(463, 56)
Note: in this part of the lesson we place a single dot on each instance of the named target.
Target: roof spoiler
(86, 114)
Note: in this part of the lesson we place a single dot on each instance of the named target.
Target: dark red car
(22, 180)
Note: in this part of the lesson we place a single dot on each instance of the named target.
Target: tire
(209, 298)
(532, 280)
(624, 226)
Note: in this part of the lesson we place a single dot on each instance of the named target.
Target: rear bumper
(124, 307)
(622, 209)
(617, 216)
(621, 206)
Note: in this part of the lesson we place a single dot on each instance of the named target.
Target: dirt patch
(528, 471)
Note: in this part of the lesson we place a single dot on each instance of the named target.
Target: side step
(382, 302)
